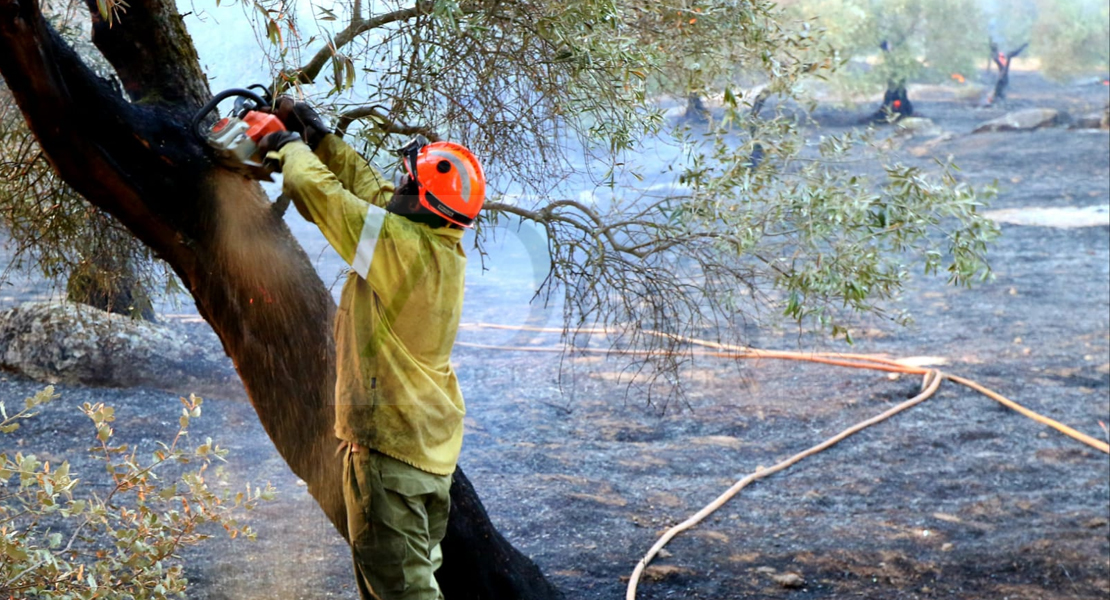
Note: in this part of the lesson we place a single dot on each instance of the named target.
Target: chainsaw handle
(215, 101)
(263, 95)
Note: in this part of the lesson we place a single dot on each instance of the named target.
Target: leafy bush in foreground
(60, 539)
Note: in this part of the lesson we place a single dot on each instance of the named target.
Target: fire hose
(932, 379)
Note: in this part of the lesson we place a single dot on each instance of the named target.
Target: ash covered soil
(957, 498)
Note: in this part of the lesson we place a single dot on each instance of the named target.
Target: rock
(1096, 522)
(1022, 120)
(1089, 121)
(918, 126)
(1087, 81)
(63, 342)
(789, 580)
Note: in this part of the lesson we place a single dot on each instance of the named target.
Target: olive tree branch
(383, 121)
(358, 26)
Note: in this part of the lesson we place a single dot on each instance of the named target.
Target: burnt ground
(957, 498)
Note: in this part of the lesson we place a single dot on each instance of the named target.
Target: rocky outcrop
(1022, 120)
(1094, 120)
(918, 126)
(62, 342)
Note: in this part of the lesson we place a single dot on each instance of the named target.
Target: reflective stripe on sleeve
(368, 240)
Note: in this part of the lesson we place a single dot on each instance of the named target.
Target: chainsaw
(234, 139)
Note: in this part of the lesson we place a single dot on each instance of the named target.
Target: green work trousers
(396, 516)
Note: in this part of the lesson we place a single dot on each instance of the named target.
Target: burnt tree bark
(1003, 60)
(896, 101)
(696, 111)
(136, 158)
(896, 105)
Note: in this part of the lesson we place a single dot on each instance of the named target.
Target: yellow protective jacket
(395, 391)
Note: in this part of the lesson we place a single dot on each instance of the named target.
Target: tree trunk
(1000, 86)
(896, 104)
(250, 279)
(696, 112)
(1003, 61)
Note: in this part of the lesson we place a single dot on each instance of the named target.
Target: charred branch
(153, 30)
(1003, 61)
(112, 152)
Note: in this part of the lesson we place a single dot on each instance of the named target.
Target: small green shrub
(61, 540)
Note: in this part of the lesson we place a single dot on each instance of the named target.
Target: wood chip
(660, 572)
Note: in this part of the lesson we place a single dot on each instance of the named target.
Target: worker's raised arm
(358, 176)
(352, 170)
(349, 223)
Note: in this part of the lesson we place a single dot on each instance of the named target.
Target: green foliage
(508, 79)
(701, 46)
(928, 40)
(63, 540)
(932, 39)
(1068, 37)
(1072, 38)
(773, 225)
(803, 233)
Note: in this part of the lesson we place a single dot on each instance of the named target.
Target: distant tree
(1071, 37)
(704, 46)
(896, 101)
(1003, 60)
(891, 43)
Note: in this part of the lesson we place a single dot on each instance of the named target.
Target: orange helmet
(449, 179)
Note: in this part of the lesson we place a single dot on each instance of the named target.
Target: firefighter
(399, 410)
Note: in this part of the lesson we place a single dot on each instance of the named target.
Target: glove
(272, 143)
(300, 118)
